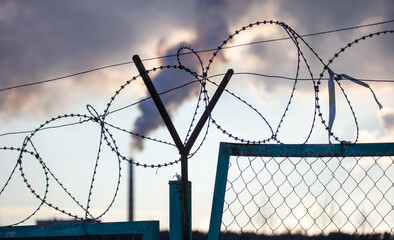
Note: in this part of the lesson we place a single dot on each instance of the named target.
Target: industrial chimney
(131, 192)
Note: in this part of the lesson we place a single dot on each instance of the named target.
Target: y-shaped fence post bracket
(178, 142)
(183, 150)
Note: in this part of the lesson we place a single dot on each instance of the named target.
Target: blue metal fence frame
(227, 150)
(149, 230)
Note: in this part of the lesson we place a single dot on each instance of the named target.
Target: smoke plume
(211, 30)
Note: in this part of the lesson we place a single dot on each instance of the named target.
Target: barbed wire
(107, 138)
(185, 85)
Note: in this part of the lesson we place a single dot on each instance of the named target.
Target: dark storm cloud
(44, 39)
(308, 16)
(39, 35)
(326, 15)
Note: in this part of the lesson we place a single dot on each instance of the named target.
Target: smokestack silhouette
(131, 192)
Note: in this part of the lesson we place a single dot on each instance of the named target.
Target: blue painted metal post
(219, 193)
(176, 210)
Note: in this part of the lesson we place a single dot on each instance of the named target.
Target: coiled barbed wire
(107, 138)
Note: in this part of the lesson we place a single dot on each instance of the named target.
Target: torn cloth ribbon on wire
(331, 95)
(364, 85)
(331, 91)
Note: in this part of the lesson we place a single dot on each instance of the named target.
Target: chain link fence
(315, 193)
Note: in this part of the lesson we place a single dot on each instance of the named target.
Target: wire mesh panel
(304, 190)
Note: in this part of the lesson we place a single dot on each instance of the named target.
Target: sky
(45, 39)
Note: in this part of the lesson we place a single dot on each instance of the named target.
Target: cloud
(49, 39)
(213, 28)
(387, 118)
(46, 39)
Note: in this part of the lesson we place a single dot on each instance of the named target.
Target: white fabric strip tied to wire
(331, 92)
(331, 98)
(362, 84)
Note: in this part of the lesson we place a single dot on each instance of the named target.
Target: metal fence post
(176, 226)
